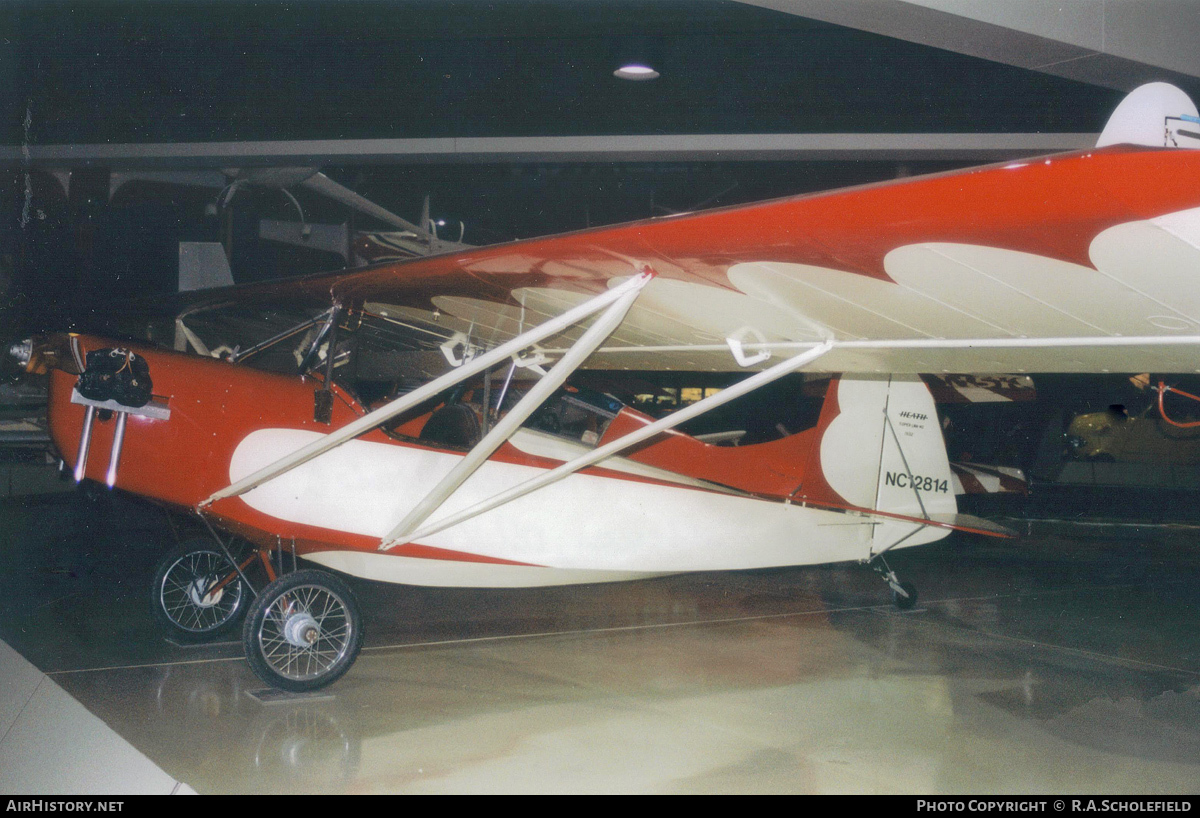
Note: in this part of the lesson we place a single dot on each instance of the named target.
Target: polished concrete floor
(1054, 664)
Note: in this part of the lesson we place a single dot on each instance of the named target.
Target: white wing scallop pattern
(1146, 282)
(1159, 259)
(856, 306)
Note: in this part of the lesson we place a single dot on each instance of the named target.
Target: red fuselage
(214, 405)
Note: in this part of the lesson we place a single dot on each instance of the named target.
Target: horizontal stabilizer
(944, 520)
(974, 525)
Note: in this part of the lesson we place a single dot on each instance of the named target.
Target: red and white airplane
(484, 466)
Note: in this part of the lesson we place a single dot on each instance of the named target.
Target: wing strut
(620, 444)
(402, 404)
(507, 425)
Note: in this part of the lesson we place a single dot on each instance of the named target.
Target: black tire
(181, 597)
(905, 603)
(312, 605)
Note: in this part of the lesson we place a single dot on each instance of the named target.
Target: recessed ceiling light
(636, 72)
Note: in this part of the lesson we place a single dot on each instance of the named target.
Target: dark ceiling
(165, 72)
(194, 71)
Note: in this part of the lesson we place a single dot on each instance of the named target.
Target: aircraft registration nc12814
(414, 422)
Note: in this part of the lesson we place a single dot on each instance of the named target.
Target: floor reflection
(1049, 665)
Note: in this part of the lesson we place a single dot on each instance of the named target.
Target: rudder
(881, 449)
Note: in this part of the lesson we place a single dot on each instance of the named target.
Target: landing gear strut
(904, 594)
(197, 593)
(302, 631)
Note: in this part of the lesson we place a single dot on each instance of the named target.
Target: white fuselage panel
(584, 522)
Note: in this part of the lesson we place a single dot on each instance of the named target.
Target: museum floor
(1052, 664)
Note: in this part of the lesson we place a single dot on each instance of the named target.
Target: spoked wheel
(197, 593)
(304, 631)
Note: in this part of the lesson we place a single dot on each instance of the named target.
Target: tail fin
(881, 450)
(1158, 115)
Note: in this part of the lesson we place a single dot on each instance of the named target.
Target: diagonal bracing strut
(508, 425)
(620, 444)
(402, 404)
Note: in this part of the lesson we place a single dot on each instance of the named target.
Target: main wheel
(197, 593)
(304, 631)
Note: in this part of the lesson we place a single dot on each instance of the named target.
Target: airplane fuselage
(625, 519)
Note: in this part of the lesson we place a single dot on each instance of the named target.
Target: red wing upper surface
(1082, 262)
